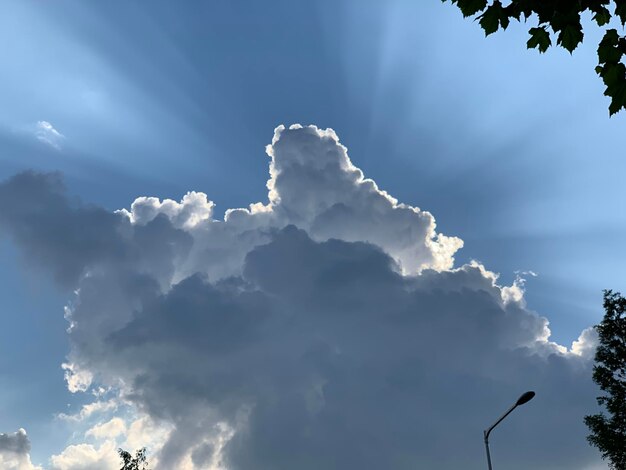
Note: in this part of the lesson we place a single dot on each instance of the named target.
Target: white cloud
(46, 133)
(89, 409)
(110, 429)
(193, 209)
(326, 328)
(145, 432)
(314, 185)
(87, 457)
(103, 440)
(586, 344)
(77, 380)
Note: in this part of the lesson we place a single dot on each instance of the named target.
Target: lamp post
(525, 398)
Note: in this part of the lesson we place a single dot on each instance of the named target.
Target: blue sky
(510, 150)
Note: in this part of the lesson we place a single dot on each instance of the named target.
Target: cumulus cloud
(98, 449)
(87, 457)
(586, 343)
(77, 380)
(193, 209)
(14, 451)
(324, 328)
(110, 429)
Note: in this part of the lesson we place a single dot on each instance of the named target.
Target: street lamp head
(525, 398)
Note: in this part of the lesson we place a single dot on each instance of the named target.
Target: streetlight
(525, 398)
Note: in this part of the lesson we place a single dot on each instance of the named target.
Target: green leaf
(610, 37)
(608, 54)
(526, 8)
(612, 76)
(609, 51)
(471, 7)
(602, 16)
(513, 10)
(563, 18)
(491, 18)
(570, 36)
(504, 20)
(539, 38)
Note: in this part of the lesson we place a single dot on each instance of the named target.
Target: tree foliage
(561, 19)
(138, 462)
(608, 433)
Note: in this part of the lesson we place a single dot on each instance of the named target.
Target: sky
(426, 236)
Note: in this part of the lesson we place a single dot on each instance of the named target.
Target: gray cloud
(70, 238)
(326, 328)
(338, 361)
(17, 443)
(14, 451)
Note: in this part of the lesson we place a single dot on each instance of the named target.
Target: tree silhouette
(139, 462)
(562, 18)
(608, 433)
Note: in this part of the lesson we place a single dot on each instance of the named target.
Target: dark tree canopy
(138, 462)
(608, 433)
(561, 19)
